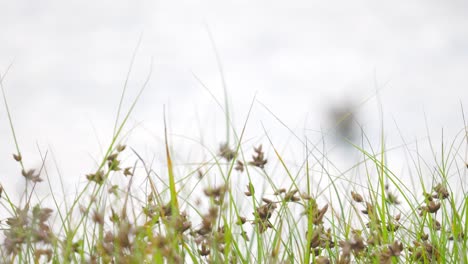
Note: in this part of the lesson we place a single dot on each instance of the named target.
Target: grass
(235, 208)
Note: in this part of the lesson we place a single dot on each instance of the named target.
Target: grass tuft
(247, 201)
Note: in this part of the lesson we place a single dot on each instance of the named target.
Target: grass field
(235, 208)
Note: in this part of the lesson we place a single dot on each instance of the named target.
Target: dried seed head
(290, 196)
(200, 174)
(393, 226)
(356, 244)
(97, 177)
(306, 196)
(460, 236)
(121, 148)
(374, 239)
(397, 217)
(436, 225)
(258, 149)
(204, 251)
(250, 190)
(226, 152)
(17, 157)
(239, 166)
(441, 191)
(31, 175)
(392, 198)
(258, 159)
(280, 191)
(208, 221)
(369, 210)
(182, 223)
(322, 260)
(114, 165)
(318, 217)
(38, 253)
(127, 171)
(357, 197)
(265, 211)
(424, 237)
(315, 237)
(165, 210)
(83, 209)
(245, 236)
(263, 225)
(113, 189)
(41, 214)
(427, 196)
(433, 207)
(112, 156)
(98, 217)
(395, 248)
(217, 192)
(241, 220)
(114, 217)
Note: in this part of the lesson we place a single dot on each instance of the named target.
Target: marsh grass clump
(241, 204)
(287, 225)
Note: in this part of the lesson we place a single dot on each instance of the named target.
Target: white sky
(71, 58)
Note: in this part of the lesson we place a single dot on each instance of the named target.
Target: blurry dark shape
(343, 119)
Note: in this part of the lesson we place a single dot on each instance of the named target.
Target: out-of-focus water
(300, 60)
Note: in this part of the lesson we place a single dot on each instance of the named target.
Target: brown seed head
(279, 191)
(31, 175)
(98, 217)
(433, 207)
(241, 220)
(128, 171)
(250, 190)
(258, 159)
(357, 197)
(121, 148)
(322, 260)
(395, 248)
(17, 157)
(226, 152)
(239, 166)
(441, 191)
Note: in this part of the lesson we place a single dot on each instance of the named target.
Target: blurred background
(401, 66)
